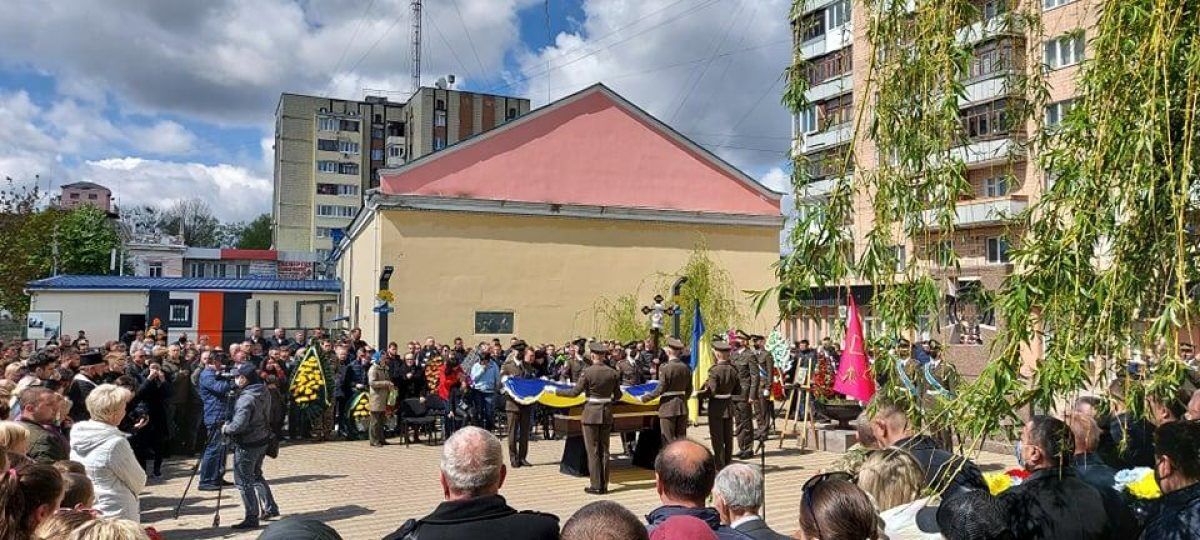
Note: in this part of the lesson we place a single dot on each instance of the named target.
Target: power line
(346, 49)
(716, 49)
(572, 61)
(771, 137)
(438, 29)
(376, 42)
(474, 51)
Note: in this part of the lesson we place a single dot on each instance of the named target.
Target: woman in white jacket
(105, 452)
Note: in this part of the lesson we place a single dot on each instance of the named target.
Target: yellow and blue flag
(529, 391)
(701, 361)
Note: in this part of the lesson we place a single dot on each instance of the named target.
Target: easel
(789, 423)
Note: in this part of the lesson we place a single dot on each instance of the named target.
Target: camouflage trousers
(322, 425)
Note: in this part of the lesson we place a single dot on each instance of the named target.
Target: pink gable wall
(587, 152)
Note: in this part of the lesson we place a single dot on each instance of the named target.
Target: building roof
(592, 148)
(140, 283)
(83, 185)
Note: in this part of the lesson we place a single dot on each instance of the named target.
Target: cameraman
(214, 387)
(249, 431)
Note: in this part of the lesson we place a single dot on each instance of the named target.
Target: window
(92, 196)
(325, 232)
(994, 8)
(348, 147)
(828, 163)
(327, 166)
(493, 322)
(376, 133)
(997, 250)
(376, 154)
(838, 13)
(328, 145)
(348, 125)
(327, 123)
(439, 118)
(807, 120)
(439, 105)
(827, 67)
(900, 258)
(179, 314)
(1064, 51)
(812, 26)
(396, 151)
(196, 270)
(511, 114)
(987, 120)
(341, 190)
(155, 269)
(335, 210)
(439, 143)
(74, 196)
(218, 270)
(242, 270)
(323, 254)
(395, 129)
(1056, 112)
(837, 111)
(995, 187)
(347, 168)
(1051, 4)
(378, 119)
(991, 58)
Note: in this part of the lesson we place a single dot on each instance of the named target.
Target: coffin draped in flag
(530, 391)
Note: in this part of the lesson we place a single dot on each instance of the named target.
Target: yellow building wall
(549, 271)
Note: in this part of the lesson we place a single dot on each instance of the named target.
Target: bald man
(684, 472)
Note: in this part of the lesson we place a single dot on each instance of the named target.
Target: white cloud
(165, 138)
(233, 193)
(777, 180)
(709, 69)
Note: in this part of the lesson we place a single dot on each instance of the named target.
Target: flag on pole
(701, 361)
(854, 372)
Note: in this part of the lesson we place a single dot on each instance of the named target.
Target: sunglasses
(809, 490)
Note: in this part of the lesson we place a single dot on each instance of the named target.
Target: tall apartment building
(328, 152)
(832, 37)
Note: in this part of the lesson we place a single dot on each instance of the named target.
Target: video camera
(226, 373)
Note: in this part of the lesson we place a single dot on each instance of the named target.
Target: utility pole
(416, 44)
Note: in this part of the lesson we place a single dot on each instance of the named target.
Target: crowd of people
(88, 427)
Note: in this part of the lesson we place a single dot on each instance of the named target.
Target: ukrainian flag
(530, 391)
(702, 360)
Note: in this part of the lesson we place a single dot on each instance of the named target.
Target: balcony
(830, 88)
(831, 137)
(816, 190)
(832, 40)
(986, 152)
(1000, 25)
(993, 86)
(979, 212)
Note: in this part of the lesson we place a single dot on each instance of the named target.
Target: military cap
(598, 347)
(720, 345)
(902, 342)
(38, 360)
(740, 334)
(580, 342)
(91, 357)
(675, 343)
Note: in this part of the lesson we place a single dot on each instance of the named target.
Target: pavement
(366, 493)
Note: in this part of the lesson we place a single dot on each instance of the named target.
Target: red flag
(854, 372)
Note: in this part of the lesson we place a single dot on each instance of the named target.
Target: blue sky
(168, 100)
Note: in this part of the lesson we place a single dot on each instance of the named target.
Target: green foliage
(710, 285)
(32, 239)
(622, 318)
(256, 234)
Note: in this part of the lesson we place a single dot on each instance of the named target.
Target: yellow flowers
(361, 408)
(308, 384)
(998, 482)
(1139, 482)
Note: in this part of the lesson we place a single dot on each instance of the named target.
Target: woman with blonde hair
(14, 437)
(109, 529)
(105, 452)
(62, 522)
(893, 479)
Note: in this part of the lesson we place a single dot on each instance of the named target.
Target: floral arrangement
(1000, 482)
(1138, 482)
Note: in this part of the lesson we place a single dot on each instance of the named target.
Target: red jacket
(450, 378)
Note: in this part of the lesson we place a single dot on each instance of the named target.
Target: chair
(415, 413)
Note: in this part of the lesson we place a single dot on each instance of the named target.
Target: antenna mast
(416, 44)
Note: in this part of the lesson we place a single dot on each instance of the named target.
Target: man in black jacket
(472, 473)
(945, 473)
(1053, 502)
(1177, 470)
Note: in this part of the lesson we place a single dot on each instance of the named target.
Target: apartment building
(328, 152)
(78, 194)
(831, 35)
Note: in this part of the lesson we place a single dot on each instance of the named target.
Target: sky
(162, 100)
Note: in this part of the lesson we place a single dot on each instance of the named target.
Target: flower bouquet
(1000, 482)
(1140, 491)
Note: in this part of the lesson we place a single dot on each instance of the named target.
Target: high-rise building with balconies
(328, 152)
(832, 37)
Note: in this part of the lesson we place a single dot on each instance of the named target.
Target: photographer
(214, 392)
(249, 432)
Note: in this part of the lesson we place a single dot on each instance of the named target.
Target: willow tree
(1104, 260)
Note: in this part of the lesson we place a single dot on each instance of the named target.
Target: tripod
(196, 467)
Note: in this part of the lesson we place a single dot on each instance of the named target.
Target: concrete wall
(97, 313)
(272, 310)
(549, 271)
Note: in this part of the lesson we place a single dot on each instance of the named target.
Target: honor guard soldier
(519, 417)
(722, 388)
(747, 372)
(575, 360)
(764, 364)
(674, 389)
(602, 385)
